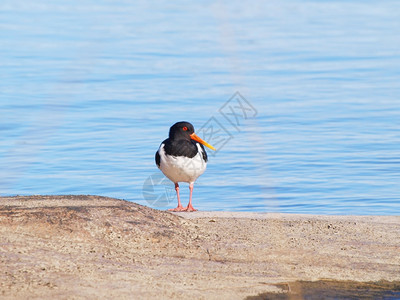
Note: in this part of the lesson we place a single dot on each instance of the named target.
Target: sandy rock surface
(89, 247)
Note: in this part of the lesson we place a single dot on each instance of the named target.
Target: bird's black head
(181, 130)
(185, 131)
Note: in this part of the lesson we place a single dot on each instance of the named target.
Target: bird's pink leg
(190, 207)
(179, 207)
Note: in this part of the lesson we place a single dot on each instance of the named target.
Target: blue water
(89, 89)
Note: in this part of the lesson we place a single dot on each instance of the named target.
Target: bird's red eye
(184, 128)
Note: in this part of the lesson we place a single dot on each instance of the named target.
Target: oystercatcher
(182, 158)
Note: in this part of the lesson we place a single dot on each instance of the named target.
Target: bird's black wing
(158, 159)
(204, 152)
(157, 156)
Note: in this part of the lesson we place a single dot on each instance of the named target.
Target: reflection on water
(331, 289)
(88, 91)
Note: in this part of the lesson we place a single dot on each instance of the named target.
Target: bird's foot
(190, 208)
(179, 208)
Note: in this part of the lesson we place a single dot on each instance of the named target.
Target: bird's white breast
(182, 168)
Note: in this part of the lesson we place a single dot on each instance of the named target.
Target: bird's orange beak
(197, 139)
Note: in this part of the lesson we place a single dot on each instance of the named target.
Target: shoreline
(291, 216)
(91, 246)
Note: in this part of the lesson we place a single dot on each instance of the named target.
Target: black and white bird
(182, 158)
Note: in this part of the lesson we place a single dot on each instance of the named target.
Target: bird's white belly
(181, 168)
